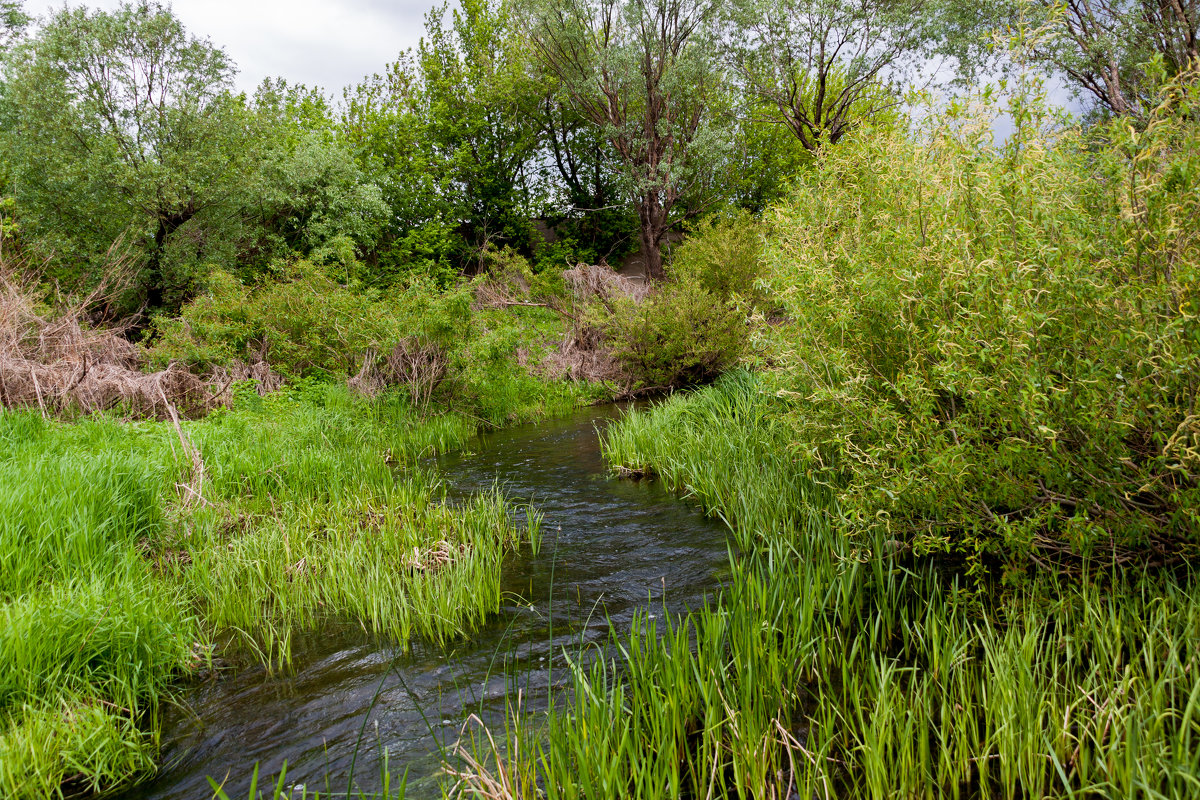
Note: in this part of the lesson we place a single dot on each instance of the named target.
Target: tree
(310, 197)
(450, 132)
(482, 104)
(1108, 47)
(13, 21)
(640, 71)
(582, 174)
(824, 64)
(120, 124)
(383, 124)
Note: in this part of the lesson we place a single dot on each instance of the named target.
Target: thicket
(694, 326)
(431, 343)
(992, 349)
(984, 353)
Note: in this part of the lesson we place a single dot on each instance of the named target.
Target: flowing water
(610, 549)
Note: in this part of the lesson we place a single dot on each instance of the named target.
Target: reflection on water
(610, 548)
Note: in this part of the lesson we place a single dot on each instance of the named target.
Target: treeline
(567, 130)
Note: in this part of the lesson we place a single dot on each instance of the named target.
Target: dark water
(610, 549)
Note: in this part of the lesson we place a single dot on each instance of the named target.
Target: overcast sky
(327, 43)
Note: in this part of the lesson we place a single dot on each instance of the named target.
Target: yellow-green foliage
(995, 349)
(986, 351)
(723, 254)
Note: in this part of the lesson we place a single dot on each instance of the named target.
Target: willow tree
(642, 72)
(121, 125)
(1110, 50)
(825, 65)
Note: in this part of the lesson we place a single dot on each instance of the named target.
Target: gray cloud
(327, 43)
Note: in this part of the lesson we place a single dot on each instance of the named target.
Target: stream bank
(610, 549)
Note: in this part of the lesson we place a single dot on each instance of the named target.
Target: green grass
(112, 589)
(837, 670)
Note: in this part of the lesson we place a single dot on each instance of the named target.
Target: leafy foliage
(826, 66)
(13, 21)
(681, 335)
(1116, 52)
(994, 349)
(306, 325)
(121, 125)
(310, 196)
(723, 255)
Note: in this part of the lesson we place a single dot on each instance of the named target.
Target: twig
(37, 388)
(197, 461)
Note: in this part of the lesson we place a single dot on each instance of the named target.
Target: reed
(831, 670)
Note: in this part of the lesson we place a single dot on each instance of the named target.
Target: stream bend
(610, 548)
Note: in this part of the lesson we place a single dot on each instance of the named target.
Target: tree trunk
(156, 282)
(653, 219)
(154, 277)
(652, 252)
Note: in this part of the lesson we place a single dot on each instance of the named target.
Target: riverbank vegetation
(961, 483)
(945, 381)
(122, 566)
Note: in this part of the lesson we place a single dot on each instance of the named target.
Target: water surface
(610, 549)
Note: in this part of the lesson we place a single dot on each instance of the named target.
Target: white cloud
(327, 43)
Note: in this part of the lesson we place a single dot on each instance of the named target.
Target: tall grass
(746, 474)
(313, 505)
(829, 669)
(89, 639)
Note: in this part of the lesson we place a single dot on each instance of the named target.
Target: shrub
(681, 335)
(306, 325)
(723, 254)
(995, 349)
(422, 338)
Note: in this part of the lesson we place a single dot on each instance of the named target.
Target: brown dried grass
(57, 361)
(415, 362)
(591, 282)
(582, 355)
(266, 379)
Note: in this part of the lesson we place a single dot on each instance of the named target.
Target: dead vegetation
(415, 362)
(265, 379)
(59, 362)
(582, 354)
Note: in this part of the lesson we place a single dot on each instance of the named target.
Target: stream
(610, 548)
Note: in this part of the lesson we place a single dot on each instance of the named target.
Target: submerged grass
(120, 565)
(829, 669)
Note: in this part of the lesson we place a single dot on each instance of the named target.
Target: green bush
(994, 350)
(723, 254)
(683, 334)
(306, 325)
(309, 327)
